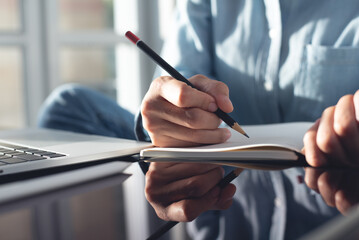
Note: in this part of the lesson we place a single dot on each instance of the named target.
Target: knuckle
(314, 160)
(341, 201)
(151, 188)
(328, 110)
(146, 106)
(222, 86)
(344, 128)
(150, 196)
(149, 125)
(162, 214)
(322, 182)
(310, 183)
(182, 95)
(308, 137)
(158, 82)
(325, 142)
(199, 76)
(188, 213)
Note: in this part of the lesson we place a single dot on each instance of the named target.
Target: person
(268, 61)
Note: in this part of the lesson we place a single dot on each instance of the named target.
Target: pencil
(170, 224)
(175, 74)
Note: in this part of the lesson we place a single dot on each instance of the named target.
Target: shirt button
(277, 202)
(268, 86)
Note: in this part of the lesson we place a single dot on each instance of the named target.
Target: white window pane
(9, 15)
(11, 97)
(91, 66)
(126, 16)
(87, 64)
(128, 81)
(85, 14)
(166, 8)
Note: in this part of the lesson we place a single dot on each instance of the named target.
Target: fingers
(180, 192)
(188, 137)
(311, 178)
(346, 128)
(216, 89)
(181, 185)
(338, 188)
(327, 139)
(328, 185)
(175, 114)
(356, 105)
(188, 209)
(170, 172)
(194, 118)
(335, 137)
(314, 156)
(193, 187)
(184, 96)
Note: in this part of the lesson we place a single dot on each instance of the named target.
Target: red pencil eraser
(132, 37)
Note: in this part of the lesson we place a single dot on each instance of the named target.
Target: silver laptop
(28, 150)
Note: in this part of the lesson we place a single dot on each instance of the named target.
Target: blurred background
(46, 43)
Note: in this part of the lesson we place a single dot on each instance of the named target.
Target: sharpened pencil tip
(239, 129)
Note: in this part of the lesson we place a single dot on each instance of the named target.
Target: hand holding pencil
(182, 112)
(177, 115)
(182, 191)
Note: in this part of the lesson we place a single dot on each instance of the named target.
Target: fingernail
(227, 135)
(212, 107)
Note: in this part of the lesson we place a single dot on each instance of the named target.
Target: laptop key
(44, 153)
(29, 157)
(13, 160)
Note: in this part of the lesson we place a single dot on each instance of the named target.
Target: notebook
(270, 146)
(27, 150)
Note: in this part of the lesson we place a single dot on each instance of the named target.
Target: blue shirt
(283, 60)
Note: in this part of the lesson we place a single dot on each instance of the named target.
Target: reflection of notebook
(28, 150)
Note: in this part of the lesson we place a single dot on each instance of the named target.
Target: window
(46, 43)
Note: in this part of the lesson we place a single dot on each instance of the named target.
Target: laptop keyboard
(11, 154)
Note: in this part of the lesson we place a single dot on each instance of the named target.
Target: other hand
(334, 141)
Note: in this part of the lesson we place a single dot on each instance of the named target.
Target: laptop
(29, 150)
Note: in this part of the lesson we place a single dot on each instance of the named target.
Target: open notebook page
(288, 135)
